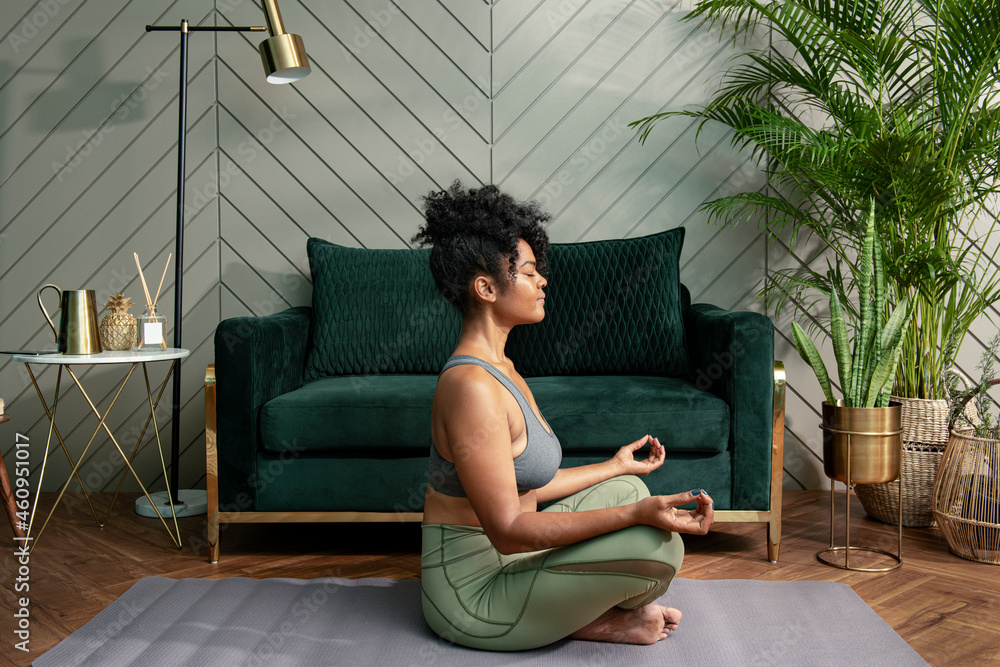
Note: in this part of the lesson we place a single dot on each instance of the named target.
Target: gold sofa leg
(211, 465)
(771, 516)
(217, 518)
(777, 462)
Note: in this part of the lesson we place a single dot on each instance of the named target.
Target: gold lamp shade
(283, 54)
(284, 58)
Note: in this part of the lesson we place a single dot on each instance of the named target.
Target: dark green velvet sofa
(322, 413)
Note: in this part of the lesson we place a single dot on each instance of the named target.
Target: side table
(134, 359)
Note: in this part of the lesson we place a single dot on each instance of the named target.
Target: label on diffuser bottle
(152, 333)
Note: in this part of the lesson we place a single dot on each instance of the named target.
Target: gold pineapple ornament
(118, 328)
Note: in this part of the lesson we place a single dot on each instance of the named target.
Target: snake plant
(866, 371)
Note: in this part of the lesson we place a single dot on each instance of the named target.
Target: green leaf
(885, 369)
(865, 350)
(863, 344)
(811, 355)
(841, 343)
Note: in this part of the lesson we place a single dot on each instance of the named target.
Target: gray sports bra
(533, 468)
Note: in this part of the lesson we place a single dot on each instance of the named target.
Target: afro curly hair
(476, 231)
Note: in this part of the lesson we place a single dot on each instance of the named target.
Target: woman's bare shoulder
(467, 401)
(467, 381)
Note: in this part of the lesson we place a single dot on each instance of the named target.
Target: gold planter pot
(874, 436)
(860, 445)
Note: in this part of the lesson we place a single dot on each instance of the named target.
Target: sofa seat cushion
(354, 413)
(392, 413)
(341, 483)
(591, 413)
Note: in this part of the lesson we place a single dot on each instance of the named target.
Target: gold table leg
(83, 454)
(102, 423)
(152, 417)
(54, 429)
(159, 447)
(45, 455)
(128, 463)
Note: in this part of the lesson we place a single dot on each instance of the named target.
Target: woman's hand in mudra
(662, 512)
(625, 458)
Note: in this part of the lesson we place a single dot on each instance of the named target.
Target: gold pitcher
(77, 333)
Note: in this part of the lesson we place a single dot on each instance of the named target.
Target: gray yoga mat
(352, 622)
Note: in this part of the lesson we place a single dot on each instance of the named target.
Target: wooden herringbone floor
(947, 608)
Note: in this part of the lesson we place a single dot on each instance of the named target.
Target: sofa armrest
(731, 355)
(256, 359)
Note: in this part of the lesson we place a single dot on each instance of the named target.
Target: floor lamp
(285, 61)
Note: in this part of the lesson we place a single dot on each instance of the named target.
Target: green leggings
(475, 596)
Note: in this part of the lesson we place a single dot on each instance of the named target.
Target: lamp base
(192, 503)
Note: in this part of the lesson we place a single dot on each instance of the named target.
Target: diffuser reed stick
(157, 297)
(152, 326)
(142, 279)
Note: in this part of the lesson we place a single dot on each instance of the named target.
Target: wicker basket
(966, 498)
(925, 436)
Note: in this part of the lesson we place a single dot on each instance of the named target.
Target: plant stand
(847, 548)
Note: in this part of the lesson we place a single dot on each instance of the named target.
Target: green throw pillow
(376, 311)
(611, 308)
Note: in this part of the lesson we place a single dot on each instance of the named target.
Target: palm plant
(904, 106)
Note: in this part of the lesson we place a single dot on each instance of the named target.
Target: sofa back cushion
(376, 311)
(612, 307)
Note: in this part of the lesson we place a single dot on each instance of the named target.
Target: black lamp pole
(185, 29)
(285, 61)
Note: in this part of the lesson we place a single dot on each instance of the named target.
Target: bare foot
(646, 625)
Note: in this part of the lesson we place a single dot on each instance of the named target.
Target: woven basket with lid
(925, 436)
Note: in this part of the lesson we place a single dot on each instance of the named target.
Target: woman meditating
(498, 573)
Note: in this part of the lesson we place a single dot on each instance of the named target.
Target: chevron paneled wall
(405, 96)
